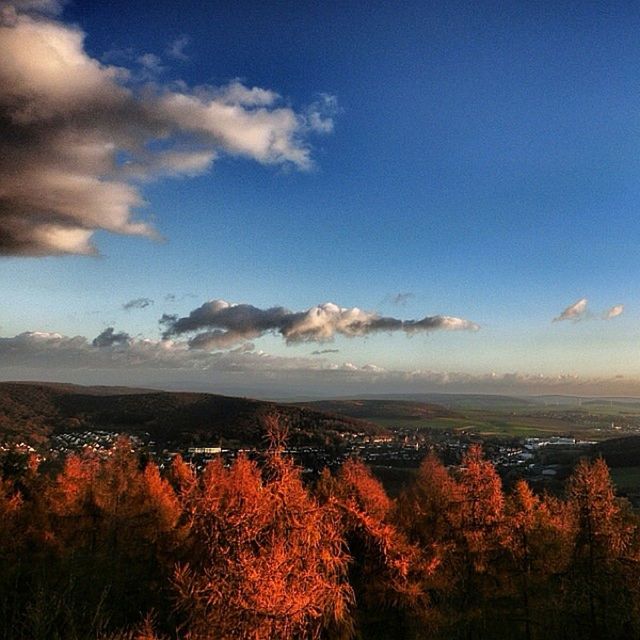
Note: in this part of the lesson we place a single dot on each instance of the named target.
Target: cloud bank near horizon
(219, 324)
(116, 358)
(79, 137)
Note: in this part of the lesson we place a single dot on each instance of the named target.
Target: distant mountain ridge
(450, 401)
(37, 410)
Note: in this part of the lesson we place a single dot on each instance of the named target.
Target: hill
(619, 452)
(37, 410)
(388, 409)
(453, 401)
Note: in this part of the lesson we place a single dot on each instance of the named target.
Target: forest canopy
(113, 547)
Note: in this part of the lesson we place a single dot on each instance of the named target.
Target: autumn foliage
(115, 548)
(264, 559)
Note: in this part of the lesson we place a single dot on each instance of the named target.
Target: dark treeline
(113, 549)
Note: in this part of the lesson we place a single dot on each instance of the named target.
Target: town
(394, 454)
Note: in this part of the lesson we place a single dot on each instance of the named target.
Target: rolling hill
(35, 411)
(619, 452)
(387, 409)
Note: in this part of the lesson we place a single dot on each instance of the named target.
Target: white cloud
(76, 135)
(237, 93)
(227, 324)
(578, 311)
(614, 312)
(574, 312)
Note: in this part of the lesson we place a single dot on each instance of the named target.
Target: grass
(419, 423)
(487, 424)
(588, 422)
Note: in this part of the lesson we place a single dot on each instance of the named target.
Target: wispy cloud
(575, 311)
(402, 298)
(152, 64)
(176, 48)
(77, 136)
(227, 324)
(137, 303)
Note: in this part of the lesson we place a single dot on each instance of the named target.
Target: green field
(499, 424)
(497, 416)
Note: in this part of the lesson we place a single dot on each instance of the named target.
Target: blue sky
(483, 158)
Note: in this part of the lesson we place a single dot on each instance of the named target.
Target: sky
(282, 199)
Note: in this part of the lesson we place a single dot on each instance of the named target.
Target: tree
(430, 509)
(113, 525)
(387, 571)
(12, 542)
(478, 540)
(537, 537)
(430, 512)
(266, 559)
(604, 571)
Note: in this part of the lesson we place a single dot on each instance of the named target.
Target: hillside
(38, 410)
(388, 409)
(619, 452)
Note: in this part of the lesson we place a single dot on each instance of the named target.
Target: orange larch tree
(114, 525)
(478, 542)
(603, 581)
(266, 559)
(12, 543)
(387, 571)
(430, 512)
(537, 535)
